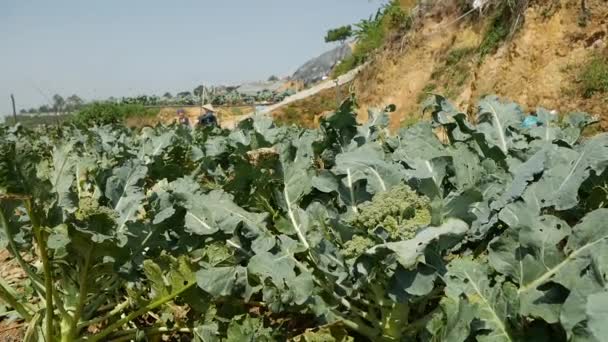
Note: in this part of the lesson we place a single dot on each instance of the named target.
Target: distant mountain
(315, 69)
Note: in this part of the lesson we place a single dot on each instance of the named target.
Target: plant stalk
(7, 295)
(94, 306)
(362, 328)
(82, 293)
(15, 251)
(118, 309)
(128, 335)
(151, 306)
(48, 278)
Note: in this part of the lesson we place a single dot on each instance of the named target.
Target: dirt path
(233, 121)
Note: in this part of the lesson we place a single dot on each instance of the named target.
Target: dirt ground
(167, 115)
(538, 66)
(10, 331)
(307, 112)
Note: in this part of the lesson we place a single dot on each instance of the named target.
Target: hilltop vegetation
(539, 53)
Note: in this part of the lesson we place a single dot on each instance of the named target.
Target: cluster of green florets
(8, 182)
(357, 246)
(89, 207)
(398, 213)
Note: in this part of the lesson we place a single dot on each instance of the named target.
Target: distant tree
(58, 103)
(73, 102)
(167, 95)
(273, 78)
(183, 94)
(22, 111)
(198, 91)
(32, 110)
(340, 34)
(44, 109)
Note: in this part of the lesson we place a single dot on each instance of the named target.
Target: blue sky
(98, 49)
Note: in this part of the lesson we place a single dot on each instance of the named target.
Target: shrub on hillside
(103, 113)
(594, 76)
(372, 33)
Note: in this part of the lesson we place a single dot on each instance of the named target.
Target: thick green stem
(12, 246)
(82, 293)
(7, 294)
(128, 335)
(360, 327)
(151, 306)
(394, 321)
(118, 309)
(94, 306)
(46, 265)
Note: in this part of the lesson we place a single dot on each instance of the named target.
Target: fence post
(14, 109)
(337, 93)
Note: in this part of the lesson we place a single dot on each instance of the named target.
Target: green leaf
(549, 129)
(124, 189)
(588, 238)
(574, 309)
(377, 122)
(279, 268)
(490, 305)
(468, 170)
(418, 142)
(597, 312)
(368, 163)
(409, 252)
(59, 238)
(297, 182)
(216, 211)
(221, 281)
(567, 169)
(523, 174)
(496, 120)
(63, 176)
(459, 315)
(168, 275)
(330, 333)
(248, 330)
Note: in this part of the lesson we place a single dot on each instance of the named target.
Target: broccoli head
(396, 214)
(357, 246)
(89, 207)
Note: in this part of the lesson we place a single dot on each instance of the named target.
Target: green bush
(103, 113)
(346, 65)
(456, 55)
(594, 76)
(498, 31)
(339, 34)
(371, 34)
(395, 18)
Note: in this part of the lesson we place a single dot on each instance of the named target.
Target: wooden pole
(337, 93)
(14, 108)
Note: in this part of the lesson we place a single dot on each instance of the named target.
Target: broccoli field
(494, 232)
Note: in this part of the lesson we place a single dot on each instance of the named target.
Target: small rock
(598, 44)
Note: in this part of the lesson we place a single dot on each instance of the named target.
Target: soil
(10, 331)
(167, 115)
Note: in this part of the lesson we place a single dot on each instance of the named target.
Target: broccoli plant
(396, 214)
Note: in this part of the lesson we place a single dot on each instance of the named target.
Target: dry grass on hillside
(540, 65)
(307, 112)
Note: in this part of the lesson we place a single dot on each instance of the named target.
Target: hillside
(464, 59)
(553, 71)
